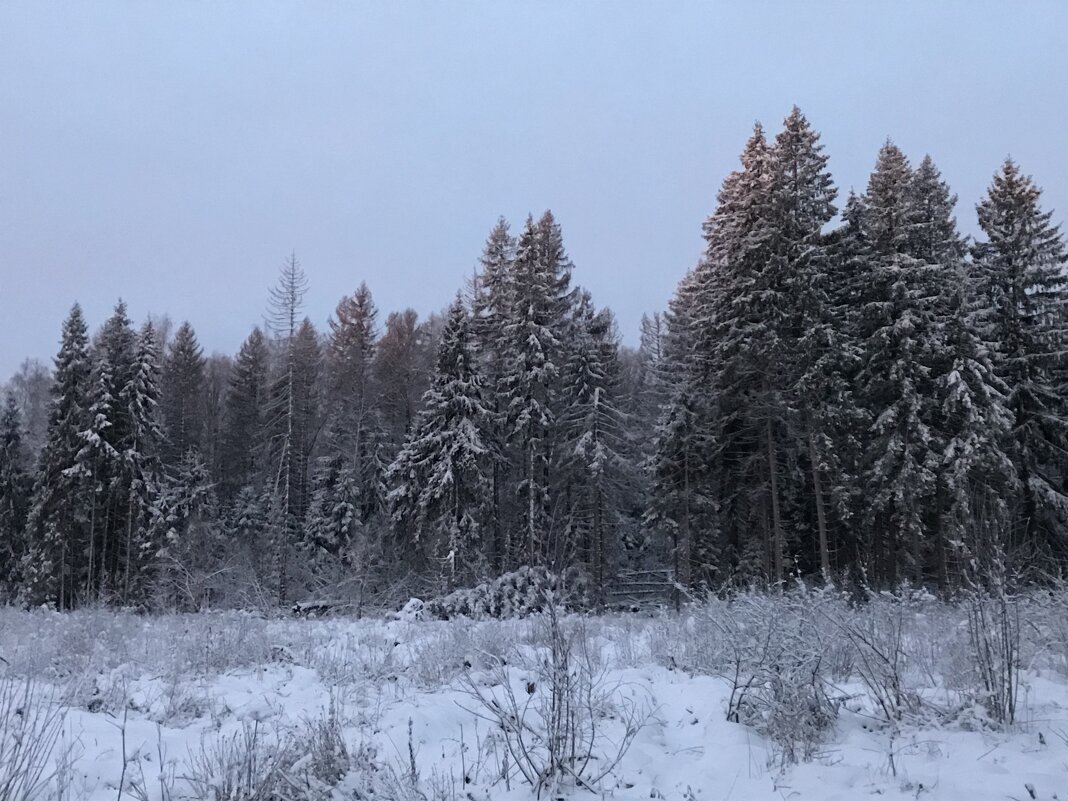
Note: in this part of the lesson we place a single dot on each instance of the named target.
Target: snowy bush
(552, 707)
(994, 635)
(515, 594)
(775, 662)
(30, 725)
(878, 633)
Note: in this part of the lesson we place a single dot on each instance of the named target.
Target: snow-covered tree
(187, 554)
(245, 451)
(141, 456)
(1022, 280)
(816, 341)
(491, 309)
(744, 317)
(440, 480)
(58, 526)
(15, 487)
(529, 388)
(182, 400)
(593, 456)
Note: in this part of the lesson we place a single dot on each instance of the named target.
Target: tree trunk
(821, 512)
(776, 516)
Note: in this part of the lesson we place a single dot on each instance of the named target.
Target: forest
(846, 391)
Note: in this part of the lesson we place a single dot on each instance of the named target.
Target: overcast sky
(175, 153)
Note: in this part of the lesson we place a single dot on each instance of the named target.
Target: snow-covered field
(832, 703)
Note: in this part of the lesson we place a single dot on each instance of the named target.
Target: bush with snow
(516, 594)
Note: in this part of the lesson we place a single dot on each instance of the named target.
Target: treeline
(875, 400)
(884, 398)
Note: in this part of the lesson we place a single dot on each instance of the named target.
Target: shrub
(30, 725)
(551, 709)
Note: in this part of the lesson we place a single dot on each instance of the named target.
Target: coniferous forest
(843, 389)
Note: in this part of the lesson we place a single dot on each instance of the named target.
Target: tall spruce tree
(745, 317)
(968, 419)
(594, 453)
(814, 344)
(15, 487)
(529, 389)
(491, 308)
(1021, 274)
(440, 479)
(245, 449)
(58, 530)
(681, 497)
(182, 401)
(142, 459)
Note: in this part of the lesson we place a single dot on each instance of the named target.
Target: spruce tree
(491, 309)
(58, 530)
(440, 480)
(595, 447)
(354, 426)
(245, 450)
(745, 319)
(815, 344)
(968, 419)
(182, 401)
(1021, 276)
(15, 487)
(903, 338)
(529, 385)
(141, 457)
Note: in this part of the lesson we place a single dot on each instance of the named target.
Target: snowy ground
(196, 706)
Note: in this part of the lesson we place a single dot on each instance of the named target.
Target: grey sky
(175, 153)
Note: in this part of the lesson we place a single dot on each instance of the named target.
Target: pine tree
(1021, 276)
(441, 486)
(58, 524)
(15, 487)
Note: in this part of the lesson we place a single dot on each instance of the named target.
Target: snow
(178, 686)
